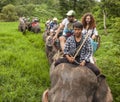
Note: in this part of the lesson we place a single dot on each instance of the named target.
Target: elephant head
(22, 27)
(70, 83)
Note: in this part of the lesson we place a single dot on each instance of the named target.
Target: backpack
(96, 42)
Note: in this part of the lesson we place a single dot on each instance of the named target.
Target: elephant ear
(100, 78)
(103, 92)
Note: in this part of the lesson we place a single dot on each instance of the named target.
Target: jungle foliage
(24, 69)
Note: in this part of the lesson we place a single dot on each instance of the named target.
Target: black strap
(92, 32)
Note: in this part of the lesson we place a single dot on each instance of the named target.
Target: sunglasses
(70, 16)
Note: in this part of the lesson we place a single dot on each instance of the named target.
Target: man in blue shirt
(54, 24)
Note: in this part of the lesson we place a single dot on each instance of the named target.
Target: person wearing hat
(55, 19)
(67, 26)
(54, 24)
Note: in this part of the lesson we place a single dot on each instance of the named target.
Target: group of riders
(78, 40)
(30, 25)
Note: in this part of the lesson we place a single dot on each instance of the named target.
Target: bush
(21, 11)
(43, 12)
(9, 13)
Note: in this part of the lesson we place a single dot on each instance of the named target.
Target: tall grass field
(24, 68)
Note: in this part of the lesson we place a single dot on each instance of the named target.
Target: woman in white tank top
(89, 27)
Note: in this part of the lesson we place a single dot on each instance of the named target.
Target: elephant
(35, 27)
(71, 83)
(23, 24)
(46, 34)
(22, 27)
(52, 49)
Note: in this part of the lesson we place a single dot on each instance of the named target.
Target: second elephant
(35, 27)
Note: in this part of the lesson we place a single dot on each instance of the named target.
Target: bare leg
(62, 42)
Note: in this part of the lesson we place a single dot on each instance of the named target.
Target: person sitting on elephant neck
(35, 22)
(54, 24)
(71, 46)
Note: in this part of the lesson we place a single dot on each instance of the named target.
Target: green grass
(24, 69)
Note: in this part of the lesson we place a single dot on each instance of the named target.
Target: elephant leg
(37, 29)
(20, 28)
(24, 29)
(32, 29)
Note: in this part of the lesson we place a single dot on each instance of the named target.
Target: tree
(21, 11)
(63, 7)
(74, 4)
(111, 7)
(5, 2)
(80, 6)
(9, 13)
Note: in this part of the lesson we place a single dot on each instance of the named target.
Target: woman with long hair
(89, 27)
